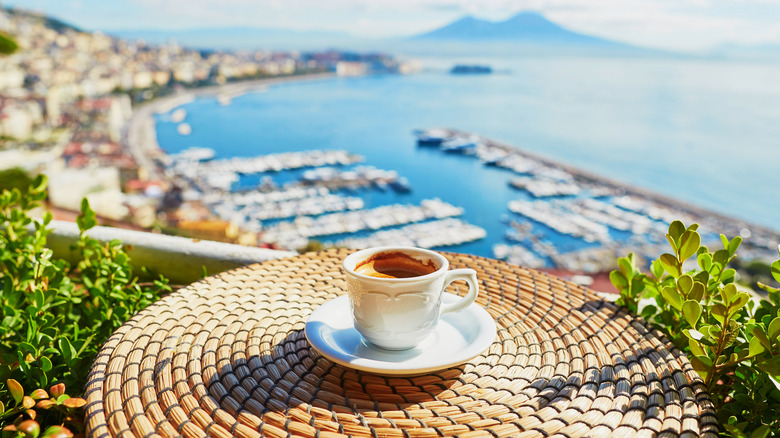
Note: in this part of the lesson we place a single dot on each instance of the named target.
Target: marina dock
(562, 217)
(315, 205)
(609, 217)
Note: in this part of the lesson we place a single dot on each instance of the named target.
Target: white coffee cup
(396, 293)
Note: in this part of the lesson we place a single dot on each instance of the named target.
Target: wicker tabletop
(227, 356)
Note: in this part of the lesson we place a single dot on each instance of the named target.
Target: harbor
(317, 204)
(535, 212)
(608, 218)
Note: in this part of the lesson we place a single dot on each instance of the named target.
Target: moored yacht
(432, 137)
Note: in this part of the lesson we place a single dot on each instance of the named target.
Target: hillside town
(67, 96)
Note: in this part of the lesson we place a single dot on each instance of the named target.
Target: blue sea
(706, 132)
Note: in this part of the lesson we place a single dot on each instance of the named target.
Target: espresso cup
(396, 293)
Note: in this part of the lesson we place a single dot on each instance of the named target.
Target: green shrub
(15, 178)
(7, 45)
(55, 316)
(731, 337)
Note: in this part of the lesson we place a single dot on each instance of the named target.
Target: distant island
(464, 69)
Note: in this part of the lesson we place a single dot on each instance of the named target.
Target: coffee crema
(395, 265)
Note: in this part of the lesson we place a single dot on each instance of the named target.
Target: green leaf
(761, 432)
(671, 264)
(648, 311)
(697, 293)
(67, 350)
(39, 184)
(16, 390)
(703, 365)
(696, 347)
(676, 229)
(718, 311)
(773, 329)
(725, 241)
(756, 347)
(637, 285)
(705, 261)
(713, 331)
(732, 332)
(774, 293)
(46, 364)
(691, 311)
(87, 218)
(55, 432)
(739, 302)
(727, 275)
(735, 431)
(685, 284)
(657, 269)
(26, 348)
(689, 244)
(759, 334)
(706, 360)
(721, 257)
(618, 280)
(776, 270)
(672, 297)
(625, 266)
(771, 366)
(727, 293)
(39, 299)
(672, 243)
(734, 245)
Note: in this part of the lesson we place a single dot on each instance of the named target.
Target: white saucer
(458, 337)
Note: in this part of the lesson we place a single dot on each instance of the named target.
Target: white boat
(432, 137)
(459, 145)
(178, 115)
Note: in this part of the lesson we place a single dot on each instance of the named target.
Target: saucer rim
(482, 341)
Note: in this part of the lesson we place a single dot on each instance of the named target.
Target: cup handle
(470, 276)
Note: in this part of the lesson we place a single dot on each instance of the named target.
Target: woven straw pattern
(227, 357)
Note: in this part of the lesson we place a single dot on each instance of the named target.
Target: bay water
(705, 132)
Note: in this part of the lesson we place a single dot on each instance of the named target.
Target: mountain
(525, 27)
(237, 38)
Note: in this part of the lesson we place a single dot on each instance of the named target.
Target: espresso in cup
(395, 264)
(396, 293)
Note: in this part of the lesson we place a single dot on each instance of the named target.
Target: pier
(444, 232)
(295, 234)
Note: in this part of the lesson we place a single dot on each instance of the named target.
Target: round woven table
(227, 356)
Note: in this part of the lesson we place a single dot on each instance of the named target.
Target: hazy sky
(672, 24)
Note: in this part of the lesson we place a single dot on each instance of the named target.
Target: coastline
(142, 141)
(140, 137)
